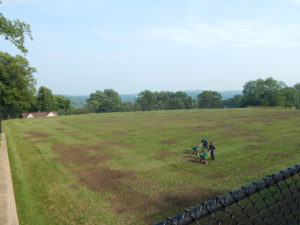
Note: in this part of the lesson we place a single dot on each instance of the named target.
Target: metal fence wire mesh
(274, 199)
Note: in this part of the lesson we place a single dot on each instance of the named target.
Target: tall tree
(107, 101)
(62, 105)
(45, 99)
(16, 85)
(210, 99)
(146, 99)
(262, 92)
(234, 102)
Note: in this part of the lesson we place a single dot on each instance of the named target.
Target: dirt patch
(79, 154)
(168, 142)
(75, 133)
(281, 155)
(60, 129)
(103, 179)
(119, 132)
(255, 168)
(131, 130)
(162, 154)
(259, 138)
(166, 202)
(38, 135)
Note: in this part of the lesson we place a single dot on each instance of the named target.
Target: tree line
(268, 92)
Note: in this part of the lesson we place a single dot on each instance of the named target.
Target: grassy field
(137, 168)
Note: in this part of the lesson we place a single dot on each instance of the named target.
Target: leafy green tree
(146, 99)
(186, 100)
(234, 102)
(62, 105)
(297, 87)
(45, 99)
(288, 97)
(161, 100)
(210, 99)
(107, 101)
(262, 92)
(175, 103)
(15, 31)
(16, 85)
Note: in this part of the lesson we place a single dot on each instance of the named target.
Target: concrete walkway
(8, 212)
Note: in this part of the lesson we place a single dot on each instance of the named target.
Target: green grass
(137, 168)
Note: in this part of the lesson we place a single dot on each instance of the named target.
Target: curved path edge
(8, 211)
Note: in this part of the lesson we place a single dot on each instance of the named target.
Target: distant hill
(77, 101)
(80, 101)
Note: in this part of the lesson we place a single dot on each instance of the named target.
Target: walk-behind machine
(203, 158)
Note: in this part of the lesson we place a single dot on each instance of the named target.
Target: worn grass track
(137, 168)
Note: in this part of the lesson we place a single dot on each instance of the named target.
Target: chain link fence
(272, 200)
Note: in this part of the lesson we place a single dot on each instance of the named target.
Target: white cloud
(228, 33)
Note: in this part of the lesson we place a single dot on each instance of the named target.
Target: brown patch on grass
(197, 128)
(281, 155)
(168, 201)
(259, 138)
(168, 142)
(74, 187)
(162, 154)
(38, 135)
(131, 130)
(103, 179)
(119, 132)
(76, 132)
(255, 168)
(79, 154)
(60, 128)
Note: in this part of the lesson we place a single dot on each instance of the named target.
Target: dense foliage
(106, 101)
(15, 31)
(269, 92)
(16, 85)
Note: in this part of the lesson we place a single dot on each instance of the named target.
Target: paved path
(8, 212)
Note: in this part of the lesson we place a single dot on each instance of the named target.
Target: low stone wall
(8, 212)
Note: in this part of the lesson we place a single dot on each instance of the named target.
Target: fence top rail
(206, 208)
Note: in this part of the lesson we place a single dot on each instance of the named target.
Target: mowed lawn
(137, 168)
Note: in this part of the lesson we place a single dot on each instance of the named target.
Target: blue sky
(83, 46)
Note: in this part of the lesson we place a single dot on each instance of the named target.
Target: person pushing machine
(204, 144)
